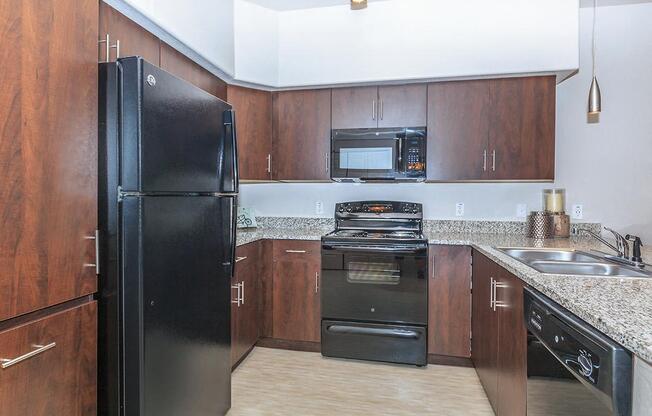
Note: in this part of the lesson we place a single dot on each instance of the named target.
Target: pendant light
(358, 4)
(595, 99)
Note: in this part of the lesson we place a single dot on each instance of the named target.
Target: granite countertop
(619, 307)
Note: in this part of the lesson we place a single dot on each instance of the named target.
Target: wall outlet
(521, 210)
(577, 212)
(459, 209)
(319, 207)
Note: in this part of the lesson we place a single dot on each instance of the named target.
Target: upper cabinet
(385, 106)
(500, 129)
(301, 135)
(178, 64)
(119, 36)
(253, 121)
(48, 128)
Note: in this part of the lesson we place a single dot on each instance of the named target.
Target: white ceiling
(300, 4)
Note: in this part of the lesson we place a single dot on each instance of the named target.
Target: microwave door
(368, 159)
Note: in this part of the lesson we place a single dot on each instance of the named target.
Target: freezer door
(175, 137)
(177, 266)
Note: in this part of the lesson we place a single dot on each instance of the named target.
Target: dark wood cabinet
(499, 343)
(522, 134)
(501, 129)
(180, 65)
(458, 130)
(48, 124)
(245, 316)
(355, 107)
(402, 105)
(385, 106)
(301, 135)
(296, 304)
(61, 378)
(449, 301)
(253, 118)
(133, 39)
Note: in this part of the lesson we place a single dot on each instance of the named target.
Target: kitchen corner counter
(619, 307)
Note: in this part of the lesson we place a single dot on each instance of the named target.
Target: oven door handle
(405, 250)
(378, 332)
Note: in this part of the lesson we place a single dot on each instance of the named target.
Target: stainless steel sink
(572, 262)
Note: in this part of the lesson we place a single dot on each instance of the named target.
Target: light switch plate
(459, 209)
(319, 207)
(521, 210)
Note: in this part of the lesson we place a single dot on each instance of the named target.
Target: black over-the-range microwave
(378, 155)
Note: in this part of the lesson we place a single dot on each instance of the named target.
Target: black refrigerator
(167, 198)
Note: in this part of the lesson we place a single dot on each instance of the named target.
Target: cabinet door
(62, 378)
(449, 301)
(301, 140)
(522, 133)
(402, 105)
(48, 153)
(134, 40)
(296, 290)
(253, 120)
(484, 341)
(355, 108)
(458, 130)
(245, 319)
(178, 64)
(512, 346)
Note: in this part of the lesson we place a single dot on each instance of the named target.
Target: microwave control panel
(415, 157)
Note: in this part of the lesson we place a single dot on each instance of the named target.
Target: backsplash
(443, 226)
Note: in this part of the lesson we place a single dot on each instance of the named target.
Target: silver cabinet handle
(493, 160)
(296, 251)
(327, 164)
(237, 296)
(269, 163)
(239, 259)
(6, 363)
(373, 109)
(498, 303)
(491, 294)
(316, 282)
(381, 109)
(484, 160)
(242, 292)
(107, 47)
(95, 238)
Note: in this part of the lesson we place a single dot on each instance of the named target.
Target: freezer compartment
(376, 342)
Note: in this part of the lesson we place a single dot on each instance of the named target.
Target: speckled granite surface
(621, 308)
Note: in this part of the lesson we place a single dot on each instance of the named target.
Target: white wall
(206, 26)
(607, 167)
(422, 39)
(256, 43)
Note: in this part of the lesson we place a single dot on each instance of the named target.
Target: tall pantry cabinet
(48, 205)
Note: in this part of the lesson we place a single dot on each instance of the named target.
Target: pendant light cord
(595, 8)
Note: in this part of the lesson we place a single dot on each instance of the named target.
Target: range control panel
(378, 207)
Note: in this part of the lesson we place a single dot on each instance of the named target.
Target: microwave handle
(400, 163)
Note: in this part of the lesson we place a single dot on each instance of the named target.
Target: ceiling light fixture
(358, 4)
(595, 98)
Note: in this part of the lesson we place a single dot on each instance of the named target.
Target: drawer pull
(296, 251)
(6, 363)
(239, 259)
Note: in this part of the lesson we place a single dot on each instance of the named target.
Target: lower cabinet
(499, 337)
(449, 301)
(296, 306)
(57, 374)
(245, 295)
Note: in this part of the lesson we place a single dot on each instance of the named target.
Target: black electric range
(374, 293)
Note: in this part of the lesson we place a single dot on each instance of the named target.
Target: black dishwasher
(572, 368)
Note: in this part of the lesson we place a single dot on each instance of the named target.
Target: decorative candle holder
(554, 201)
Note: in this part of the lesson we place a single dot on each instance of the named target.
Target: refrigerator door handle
(230, 166)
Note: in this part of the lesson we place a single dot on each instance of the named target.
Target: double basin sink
(572, 262)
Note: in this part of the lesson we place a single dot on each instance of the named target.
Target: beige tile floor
(278, 382)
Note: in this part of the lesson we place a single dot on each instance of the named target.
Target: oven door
(362, 154)
(375, 283)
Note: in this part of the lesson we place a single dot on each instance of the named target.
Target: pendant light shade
(595, 99)
(358, 4)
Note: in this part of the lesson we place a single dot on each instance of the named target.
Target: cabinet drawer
(245, 255)
(297, 249)
(53, 365)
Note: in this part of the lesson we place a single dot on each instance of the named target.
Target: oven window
(373, 273)
(366, 158)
